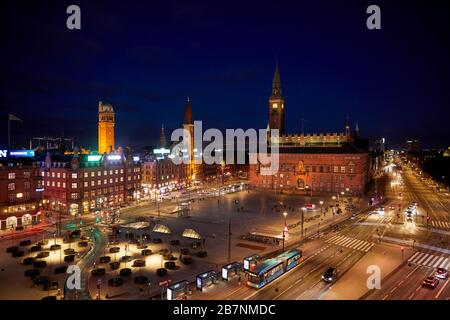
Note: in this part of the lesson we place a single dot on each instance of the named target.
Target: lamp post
(284, 228)
(334, 207)
(321, 207)
(303, 220)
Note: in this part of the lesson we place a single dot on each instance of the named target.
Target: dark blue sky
(144, 57)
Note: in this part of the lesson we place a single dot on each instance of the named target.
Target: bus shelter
(206, 279)
(251, 262)
(231, 269)
(178, 290)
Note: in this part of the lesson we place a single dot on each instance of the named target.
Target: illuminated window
(74, 185)
(11, 186)
(74, 175)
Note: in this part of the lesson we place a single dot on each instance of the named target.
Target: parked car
(60, 269)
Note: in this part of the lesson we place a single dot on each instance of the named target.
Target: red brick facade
(316, 170)
(20, 193)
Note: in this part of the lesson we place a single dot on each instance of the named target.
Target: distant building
(412, 145)
(380, 145)
(76, 184)
(20, 192)
(106, 124)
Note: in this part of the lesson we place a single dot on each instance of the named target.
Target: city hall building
(324, 163)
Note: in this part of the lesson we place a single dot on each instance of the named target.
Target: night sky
(144, 57)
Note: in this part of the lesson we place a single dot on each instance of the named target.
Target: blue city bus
(272, 268)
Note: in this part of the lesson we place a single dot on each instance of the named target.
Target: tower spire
(162, 138)
(188, 112)
(276, 82)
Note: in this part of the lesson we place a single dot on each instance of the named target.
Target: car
(32, 273)
(146, 252)
(69, 258)
(114, 265)
(330, 275)
(36, 248)
(50, 285)
(430, 282)
(105, 259)
(441, 273)
(114, 250)
(125, 272)
(187, 260)
(161, 272)
(60, 269)
(138, 263)
(43, 254)
(39, 263)
(82, 244)
(169, 265)
(17, 254)
(28, 261)
(12, 249)
(98, 272)
(25, 243)
(40, 280)
(55, 247)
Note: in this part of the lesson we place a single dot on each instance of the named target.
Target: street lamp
(321, 207)
(303, 220)
(284, 228)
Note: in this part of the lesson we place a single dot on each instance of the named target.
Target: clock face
(274, 106)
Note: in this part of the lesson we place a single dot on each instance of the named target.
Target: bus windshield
(253, 278)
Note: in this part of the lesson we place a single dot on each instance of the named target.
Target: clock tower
(276, 104)
(105, 128)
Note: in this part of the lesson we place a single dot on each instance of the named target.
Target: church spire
(347, 126)
(356, 130)
(162, 138)
(188, 112)
(276, 82)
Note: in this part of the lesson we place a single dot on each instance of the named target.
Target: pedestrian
(276, 289)
(239, 280)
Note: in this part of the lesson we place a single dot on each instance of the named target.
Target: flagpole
(9, 132)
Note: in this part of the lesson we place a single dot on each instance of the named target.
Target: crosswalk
(385, 220)
(430, 260)
(440, 224)
(351, 243)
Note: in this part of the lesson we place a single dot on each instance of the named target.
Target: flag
(13, 117)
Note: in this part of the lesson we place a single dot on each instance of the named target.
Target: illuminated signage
(169, 294)
(39, 189)
(16, 153)
(95, 157)
(225, 273)
(161, 151)
(114, 157)
(135, 158)
(19, 195)
(246, 265)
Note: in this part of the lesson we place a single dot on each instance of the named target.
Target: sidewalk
(387, 257)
